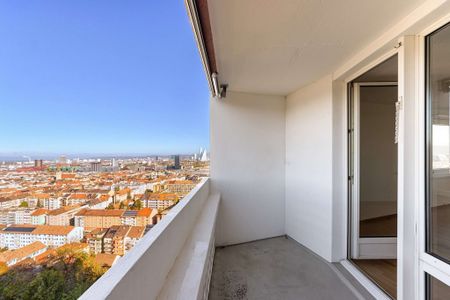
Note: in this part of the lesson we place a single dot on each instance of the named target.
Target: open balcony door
(374, 179)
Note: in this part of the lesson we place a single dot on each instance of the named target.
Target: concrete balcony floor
(276, 268)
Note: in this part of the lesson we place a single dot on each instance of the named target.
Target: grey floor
(277, 268)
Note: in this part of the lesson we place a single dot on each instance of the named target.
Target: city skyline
(138, 91)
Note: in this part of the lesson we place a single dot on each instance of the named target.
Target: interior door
(374, 179)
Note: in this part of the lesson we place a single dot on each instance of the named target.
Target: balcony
(281, 78)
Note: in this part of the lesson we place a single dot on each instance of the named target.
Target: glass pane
(378, 162)
(437, 290)
(438, 87)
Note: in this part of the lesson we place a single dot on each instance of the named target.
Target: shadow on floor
(277, 268)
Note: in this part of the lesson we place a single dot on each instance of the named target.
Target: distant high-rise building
(96, 166)
(38, 163)
(177, 164)
(204, 156)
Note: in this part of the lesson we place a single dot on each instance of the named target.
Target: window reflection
(438, 152)
(441, 151)
(437, 290)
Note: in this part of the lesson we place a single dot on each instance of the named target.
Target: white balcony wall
(142, 273)
(309, 170)
(248, 166)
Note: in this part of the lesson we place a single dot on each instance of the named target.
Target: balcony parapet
(184, 237)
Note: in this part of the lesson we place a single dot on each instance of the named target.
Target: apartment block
(17, 236)
(159, 201)
(105, 218)
(180, 187)
(133, 236)
(8, 202)
(98, 218)
(95, 240)
(76, 199)
(12, 257)
(15, 216)
(62, 216)
(39, 216)
(114, 240)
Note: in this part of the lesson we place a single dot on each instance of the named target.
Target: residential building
(98, 218)
(17, 236)
(15, 216)
(62, 216)
(10, 201)
(101, 202)
(39, 216)
(12, 257)
(95, 240)
(105, 218)
(123, 194)
(133, 236)
(114, 240)
(52, 203)
(141, 217)
(180, 187)
(46, 200)
(159, 201)
(76, 199)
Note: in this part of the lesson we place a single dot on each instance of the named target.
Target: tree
(23, 204)
(121, 205)
(3, 268)
(110, 206)
(137, 204)
(39, 204)
(49, 284)
(66, 277)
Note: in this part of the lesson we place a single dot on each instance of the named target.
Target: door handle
(398, 106)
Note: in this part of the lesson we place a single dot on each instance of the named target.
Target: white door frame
(365, 248)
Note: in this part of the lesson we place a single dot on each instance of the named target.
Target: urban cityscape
(68, 220)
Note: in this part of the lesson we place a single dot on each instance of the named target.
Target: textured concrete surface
(277, 268)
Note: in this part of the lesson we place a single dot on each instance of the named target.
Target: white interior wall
(309, 168)
(248, 166)
(378, 152)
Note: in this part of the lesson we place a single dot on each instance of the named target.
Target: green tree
(137, 204)
(23, 204)
(110, 206)
(121, 205)
(49, 284)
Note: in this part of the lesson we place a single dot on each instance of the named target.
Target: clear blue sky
(109, 76)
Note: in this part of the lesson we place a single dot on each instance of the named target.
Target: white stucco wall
(309, 145)
(248, 166)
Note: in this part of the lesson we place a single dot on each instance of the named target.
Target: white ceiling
(278, 46)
